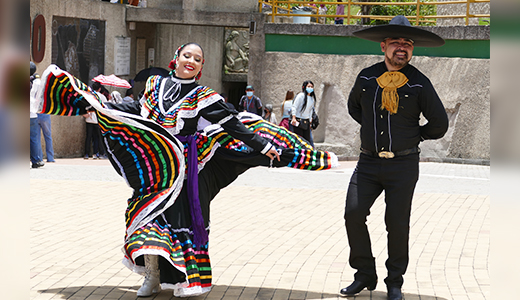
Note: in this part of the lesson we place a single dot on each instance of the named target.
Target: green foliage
(406, 10)
(331, 10)
(484, 21)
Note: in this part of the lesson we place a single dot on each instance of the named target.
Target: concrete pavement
(276, 234)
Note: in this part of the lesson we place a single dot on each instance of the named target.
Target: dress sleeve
(132, 108)
(219, 113)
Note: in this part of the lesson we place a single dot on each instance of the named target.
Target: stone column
(257, 54)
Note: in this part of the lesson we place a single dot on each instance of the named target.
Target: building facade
(87, 37)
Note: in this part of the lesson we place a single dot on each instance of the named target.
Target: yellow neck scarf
(390, 82)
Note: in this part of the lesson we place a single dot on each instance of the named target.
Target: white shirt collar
(182, 81)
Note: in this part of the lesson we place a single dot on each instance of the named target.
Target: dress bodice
(177, 105)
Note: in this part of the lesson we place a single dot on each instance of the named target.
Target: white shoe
(152, 283)
(149, 288)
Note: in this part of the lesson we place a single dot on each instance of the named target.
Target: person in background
(268, 114)
(230, 105)
(286, 110)
(35, 137)
(116, 97)
(98, 88)
(340, 10)
(322, 11)
(103, 94)
(92, 137)
(302, 108)
(129, 96)
(44, 122)
(314, 10)
(250, 103)
(387, 100)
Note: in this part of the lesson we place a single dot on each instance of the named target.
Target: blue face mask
(309, 90)
(249, 94)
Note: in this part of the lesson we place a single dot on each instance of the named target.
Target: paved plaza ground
(275, 234)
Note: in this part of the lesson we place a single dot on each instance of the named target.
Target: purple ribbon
(200, 235)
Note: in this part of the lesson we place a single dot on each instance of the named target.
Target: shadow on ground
(217, 292)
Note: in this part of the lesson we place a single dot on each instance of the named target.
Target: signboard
(122, 56)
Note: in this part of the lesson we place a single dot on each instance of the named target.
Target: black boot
(357, 286)
(37, 164)
(394, 293)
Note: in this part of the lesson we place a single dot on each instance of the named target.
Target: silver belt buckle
(386, 154)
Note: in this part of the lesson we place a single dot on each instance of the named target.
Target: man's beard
(398, 62)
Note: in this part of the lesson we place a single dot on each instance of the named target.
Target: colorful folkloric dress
(176, 148)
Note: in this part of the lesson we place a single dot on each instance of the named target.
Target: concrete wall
(142, 31)
(222, 5)
(462, 85)
(168, 4)
(69, 132)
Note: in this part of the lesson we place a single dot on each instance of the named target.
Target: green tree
(406, 10)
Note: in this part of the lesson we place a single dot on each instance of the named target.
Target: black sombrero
(399, 27)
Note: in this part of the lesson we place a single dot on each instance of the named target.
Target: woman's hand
(272, 153)
(293, 121)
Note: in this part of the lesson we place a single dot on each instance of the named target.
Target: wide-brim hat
(399, 27)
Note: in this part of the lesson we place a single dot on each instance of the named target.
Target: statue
(237, 60)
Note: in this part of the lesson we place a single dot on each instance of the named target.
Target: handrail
(418, 18)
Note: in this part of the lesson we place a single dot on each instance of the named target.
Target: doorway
(235, 91)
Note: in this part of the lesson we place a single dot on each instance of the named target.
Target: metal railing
(283, 8)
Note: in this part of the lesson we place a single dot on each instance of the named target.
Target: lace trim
(188, 292)
(225, 119)
(266, 148)
(189, 114)
(141, 269)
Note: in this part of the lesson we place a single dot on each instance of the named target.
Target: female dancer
(302, 108)
(177, 147)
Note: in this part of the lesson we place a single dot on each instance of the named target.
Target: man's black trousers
(397, 177)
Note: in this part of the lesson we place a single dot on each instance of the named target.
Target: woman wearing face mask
(177, 147)
(302, 108)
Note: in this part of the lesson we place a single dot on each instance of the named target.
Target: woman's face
(310, 85)
(189, 62)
